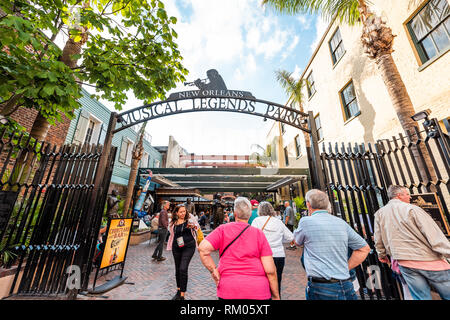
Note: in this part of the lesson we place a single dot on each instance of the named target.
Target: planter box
(139, 237)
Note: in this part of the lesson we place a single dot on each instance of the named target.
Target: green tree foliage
(127, 46)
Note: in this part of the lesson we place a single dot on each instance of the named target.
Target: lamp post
(433, 130)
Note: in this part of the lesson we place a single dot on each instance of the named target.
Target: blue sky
(246, 44)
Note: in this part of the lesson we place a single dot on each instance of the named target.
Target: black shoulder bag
(233, 241)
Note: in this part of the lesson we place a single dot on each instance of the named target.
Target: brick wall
(56, 134)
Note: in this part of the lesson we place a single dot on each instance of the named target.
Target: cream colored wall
(428, 88)
(174, 151)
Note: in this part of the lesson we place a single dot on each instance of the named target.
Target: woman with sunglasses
(183, 243)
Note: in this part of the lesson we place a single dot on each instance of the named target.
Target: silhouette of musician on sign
(215, 81)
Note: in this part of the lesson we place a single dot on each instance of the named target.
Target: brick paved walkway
(156, 280)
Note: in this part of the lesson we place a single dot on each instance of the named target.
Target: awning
(282, 183)
(211, 180)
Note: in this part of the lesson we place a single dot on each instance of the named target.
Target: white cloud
(296, 73)
(305, 23)
(321, 26)
(291, 47)
(238, 38)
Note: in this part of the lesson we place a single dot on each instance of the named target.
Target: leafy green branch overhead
(125, 46)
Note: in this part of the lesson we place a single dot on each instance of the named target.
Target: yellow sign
(116, 242)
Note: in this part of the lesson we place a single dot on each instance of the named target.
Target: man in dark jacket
(163, 225)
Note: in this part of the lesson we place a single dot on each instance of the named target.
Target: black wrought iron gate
(51, 203)
(357, 177)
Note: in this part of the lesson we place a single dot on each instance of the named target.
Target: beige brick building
(346, 92)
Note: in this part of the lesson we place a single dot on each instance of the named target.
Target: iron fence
(357, 177)
(46, 223)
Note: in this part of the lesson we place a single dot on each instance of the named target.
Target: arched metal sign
(197, 101)
(212, 96)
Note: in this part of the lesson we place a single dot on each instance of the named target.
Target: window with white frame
(88, 129)
(126, 151)
(144, 160)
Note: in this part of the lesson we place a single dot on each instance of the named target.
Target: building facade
(89, 126)
(344, 88)
(287, 150)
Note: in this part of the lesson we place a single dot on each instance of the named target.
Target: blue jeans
(331, 291)
(419, 282)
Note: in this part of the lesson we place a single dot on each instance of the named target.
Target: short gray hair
(242, 208)
(265, 209)
(395, 190)
(318, 199)
(164, 203)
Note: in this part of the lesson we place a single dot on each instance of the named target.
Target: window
(349, 102)
(89, 132)
(430, 29)
(310, 85)
(126, 151)
(297, 145)
(88, 129)
(336, 46)
(318, 127)
(286, 156)
(283, 128)
(144, 160)
(445, 125)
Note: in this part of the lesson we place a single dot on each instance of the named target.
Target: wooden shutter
(80, 131)
(123, 150)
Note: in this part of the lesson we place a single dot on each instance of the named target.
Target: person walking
(246, 268)
(163, 224)
(289, 221)
(326, 240)
(202, 220)
(254, 215)
(183, 243)
(408, 234)
(276, 233)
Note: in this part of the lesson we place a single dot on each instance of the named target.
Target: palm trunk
(377, 39)
(136, 157)
(404, 109)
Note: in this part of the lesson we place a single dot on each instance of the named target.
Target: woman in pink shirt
(246, 269)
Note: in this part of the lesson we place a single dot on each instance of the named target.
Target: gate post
(91, 226)
(315, 166)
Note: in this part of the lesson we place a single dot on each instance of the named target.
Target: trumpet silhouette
(193, 82)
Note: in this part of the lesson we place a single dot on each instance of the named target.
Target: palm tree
(294, 89)
(377, 40)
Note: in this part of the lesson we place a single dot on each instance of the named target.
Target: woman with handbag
(246, 269)
(276, 233)
(183, 242)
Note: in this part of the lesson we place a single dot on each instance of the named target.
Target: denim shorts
(331, 291)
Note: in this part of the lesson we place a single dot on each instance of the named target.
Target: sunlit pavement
(152, 280)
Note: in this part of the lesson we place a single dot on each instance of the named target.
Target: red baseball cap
(254, 203)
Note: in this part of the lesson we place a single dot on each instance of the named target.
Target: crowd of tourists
(251, 247)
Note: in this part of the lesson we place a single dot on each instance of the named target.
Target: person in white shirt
(276, 233)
